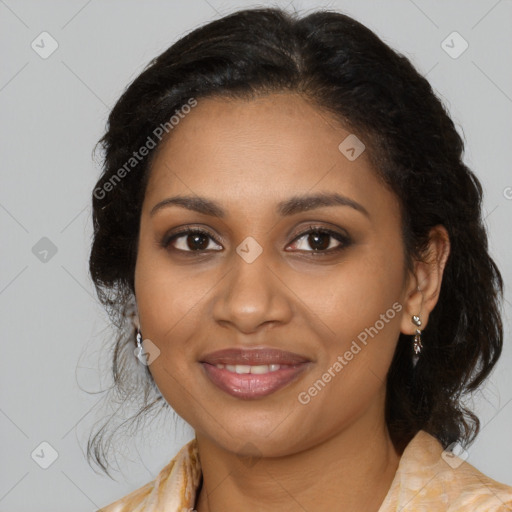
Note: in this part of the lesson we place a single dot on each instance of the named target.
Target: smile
(253, 373)
(252, 382)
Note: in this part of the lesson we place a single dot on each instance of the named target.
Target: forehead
(261, 150)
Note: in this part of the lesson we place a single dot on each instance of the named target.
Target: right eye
(189, 240)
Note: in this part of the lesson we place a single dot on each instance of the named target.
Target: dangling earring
(139, 349)
(417, 345)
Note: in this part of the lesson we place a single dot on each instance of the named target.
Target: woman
(285, 205)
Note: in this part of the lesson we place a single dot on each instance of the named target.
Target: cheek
(351, 375)
(168, 304)
(166, 295)
(351, 296)
(357, 317)
(165, 305)
(173, 311)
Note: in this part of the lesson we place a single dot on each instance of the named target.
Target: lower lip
(250, 386)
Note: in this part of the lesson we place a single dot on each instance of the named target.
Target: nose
(252, 296)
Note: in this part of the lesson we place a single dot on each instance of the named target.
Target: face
(323, 283)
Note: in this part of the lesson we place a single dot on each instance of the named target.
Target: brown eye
(190, 240)
(321, 241)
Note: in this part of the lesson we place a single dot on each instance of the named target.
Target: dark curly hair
(345, 70)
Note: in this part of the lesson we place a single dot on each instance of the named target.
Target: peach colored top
(427, 480)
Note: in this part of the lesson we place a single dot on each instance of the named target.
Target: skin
(275, 453)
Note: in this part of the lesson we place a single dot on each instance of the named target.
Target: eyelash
(343, 239)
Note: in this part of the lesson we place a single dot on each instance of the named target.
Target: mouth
(253, 373)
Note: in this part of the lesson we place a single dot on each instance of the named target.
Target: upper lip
(253, 356)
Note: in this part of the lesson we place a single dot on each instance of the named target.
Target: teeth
(242, 368)
(260, 369)
(245, 368)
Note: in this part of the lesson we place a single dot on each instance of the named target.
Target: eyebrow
(291, 206)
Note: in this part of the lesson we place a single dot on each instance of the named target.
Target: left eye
(321, 240)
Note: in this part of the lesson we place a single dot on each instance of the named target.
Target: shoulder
(174, 488)
(471, 490)
(432, 480)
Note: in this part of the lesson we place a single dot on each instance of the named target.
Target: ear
(424, 283)
(134, 317)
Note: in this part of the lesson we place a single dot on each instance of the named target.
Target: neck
(334, 475)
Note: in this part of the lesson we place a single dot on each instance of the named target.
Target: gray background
(54, 333)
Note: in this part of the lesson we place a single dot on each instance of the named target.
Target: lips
(255, 356)
(253, 373)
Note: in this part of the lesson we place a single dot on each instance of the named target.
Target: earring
(417, 345)
(139, 349)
